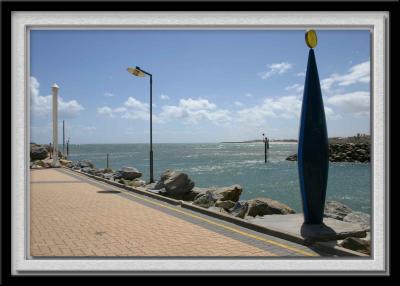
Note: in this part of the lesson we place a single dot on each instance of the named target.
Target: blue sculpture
(313, 148)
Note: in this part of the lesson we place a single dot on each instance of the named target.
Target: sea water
(224, 164)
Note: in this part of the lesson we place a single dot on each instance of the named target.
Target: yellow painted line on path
(292, 248)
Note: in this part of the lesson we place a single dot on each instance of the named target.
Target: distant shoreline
(332, 140)
(261, 141)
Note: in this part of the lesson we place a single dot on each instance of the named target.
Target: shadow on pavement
(108, 192)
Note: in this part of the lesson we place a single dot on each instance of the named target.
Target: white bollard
(54, 90)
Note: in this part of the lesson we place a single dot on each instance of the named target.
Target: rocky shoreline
(226, 200)
(346, 152)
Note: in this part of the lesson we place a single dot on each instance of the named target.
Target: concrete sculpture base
(293, 225)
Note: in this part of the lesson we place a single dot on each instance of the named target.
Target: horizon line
(289, 140)
(217, 142)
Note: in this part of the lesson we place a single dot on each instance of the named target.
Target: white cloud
(193, 104)
(287, 107)
(135, 109)
(109, 94)
(119, 109)
(217, 117)
(133, 103)
(329, 113)
(301, 74)
(173, 112)
(356, 103)
(194, 110)
(70, 108)
(105, 110)
(164, 97)
(284, 107)
(248, 95)
(357, 74)
(131, 109)
(238, 103)
(136, 114)
(42, 105)
(297, 87)
(278, 68)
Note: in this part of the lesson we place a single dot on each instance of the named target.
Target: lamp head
(136, 71)
(55, 87)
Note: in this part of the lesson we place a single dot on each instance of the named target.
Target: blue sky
(208, 86)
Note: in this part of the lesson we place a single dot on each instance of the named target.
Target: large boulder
(36, 165)
(84, 164)
(38, 152)
(45, 163)
(224, 197)
(92, 171)
(240, 209)
(267, 206)
(132, 183)
(87, 170)
(178, 183)
(362, 219)
(107, 171)
(164, 176)
(226, 205)
(357, 244)
(336, 210)
(205, 200)
(66, 163)
(218, 210)
(117, 175)
(107, 176)
(175, 183)
(137, 183)
(130, 173)
(231, 193)
(193, 193)
(292, 157)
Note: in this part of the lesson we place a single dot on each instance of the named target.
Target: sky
(208, 85)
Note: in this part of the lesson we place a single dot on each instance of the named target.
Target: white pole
(54, 90)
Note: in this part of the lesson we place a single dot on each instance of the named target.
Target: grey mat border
(341, 20)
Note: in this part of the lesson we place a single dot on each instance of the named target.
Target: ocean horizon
(224, 164)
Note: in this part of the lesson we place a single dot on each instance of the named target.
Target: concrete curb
(243, 223)
(323, 246)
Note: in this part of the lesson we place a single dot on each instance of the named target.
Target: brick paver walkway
(72, 217)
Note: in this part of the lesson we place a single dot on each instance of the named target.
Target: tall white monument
(54, 90)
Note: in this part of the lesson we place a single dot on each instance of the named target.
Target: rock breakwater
(345, 152)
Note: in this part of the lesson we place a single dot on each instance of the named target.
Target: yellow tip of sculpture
(311, 39)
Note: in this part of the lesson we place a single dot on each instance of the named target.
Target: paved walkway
(72, 215)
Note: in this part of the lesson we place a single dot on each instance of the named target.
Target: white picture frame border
(23, 22)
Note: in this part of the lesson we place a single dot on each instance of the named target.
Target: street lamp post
(137, 71)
